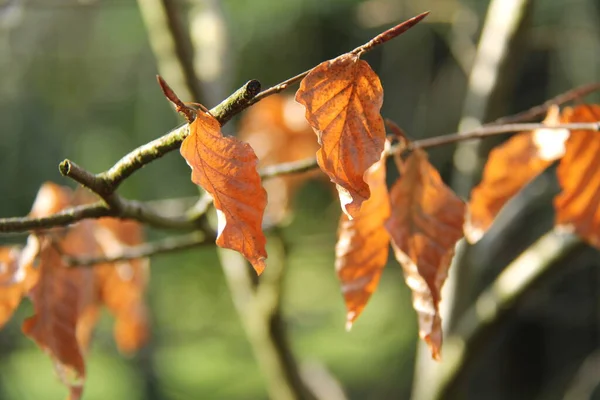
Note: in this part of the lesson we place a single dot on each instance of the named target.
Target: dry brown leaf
(363, 244)
(426, 223)
(60, 295)
(510, 166)
(278, 132)
(57, 303)
(50, 199)
(578, 205)
(122, 285)
(11, 285)
(343, 97)
(226, 168)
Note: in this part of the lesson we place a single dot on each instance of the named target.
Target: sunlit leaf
(343, 97)
(363, 244)
(578, 205)
(509, 168)
(425, 224)
(226, 168)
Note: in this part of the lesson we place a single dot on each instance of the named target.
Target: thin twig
(167, 245)
(493, 130)
(183, 47)
(538, 111)
(61, 218)
(370, 45)
(308, 164)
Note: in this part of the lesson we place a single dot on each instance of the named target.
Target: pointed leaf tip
(363, 245)
(350, 320)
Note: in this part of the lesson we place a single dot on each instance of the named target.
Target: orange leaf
(57, 303)
(509, 168)
(277, 131)
(122, 284)
(343, 97)
(226, 168)
(363, 244)
(11, 285)
(50, 199)
(425, 224)
(60, 295)
(578, 205)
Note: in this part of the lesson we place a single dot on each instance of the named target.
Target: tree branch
(308, 164)
(513, 283)
(167, 245)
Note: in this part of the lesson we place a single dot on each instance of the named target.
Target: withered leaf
(226, 168)
(425, 224)
(57, 301)
(11, 284)
(578, 204)
(363, 243)
(509, 168)
(122, 285)
(278, 132)
(50, 199)
(60, 295)
(343, 98)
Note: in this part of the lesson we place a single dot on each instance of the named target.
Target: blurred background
(77, 80)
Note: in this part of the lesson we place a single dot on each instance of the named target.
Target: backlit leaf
(343, 97)
(363, 244)
(226, 168)
(425, 224)
(509, 168)
(578, 205)
(278, 132)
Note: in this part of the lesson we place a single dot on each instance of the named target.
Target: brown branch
(540, 110)
(493, 130)
(183, 47)
(370, 45)
(61, 218)
(167, 245)
(308, 164)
